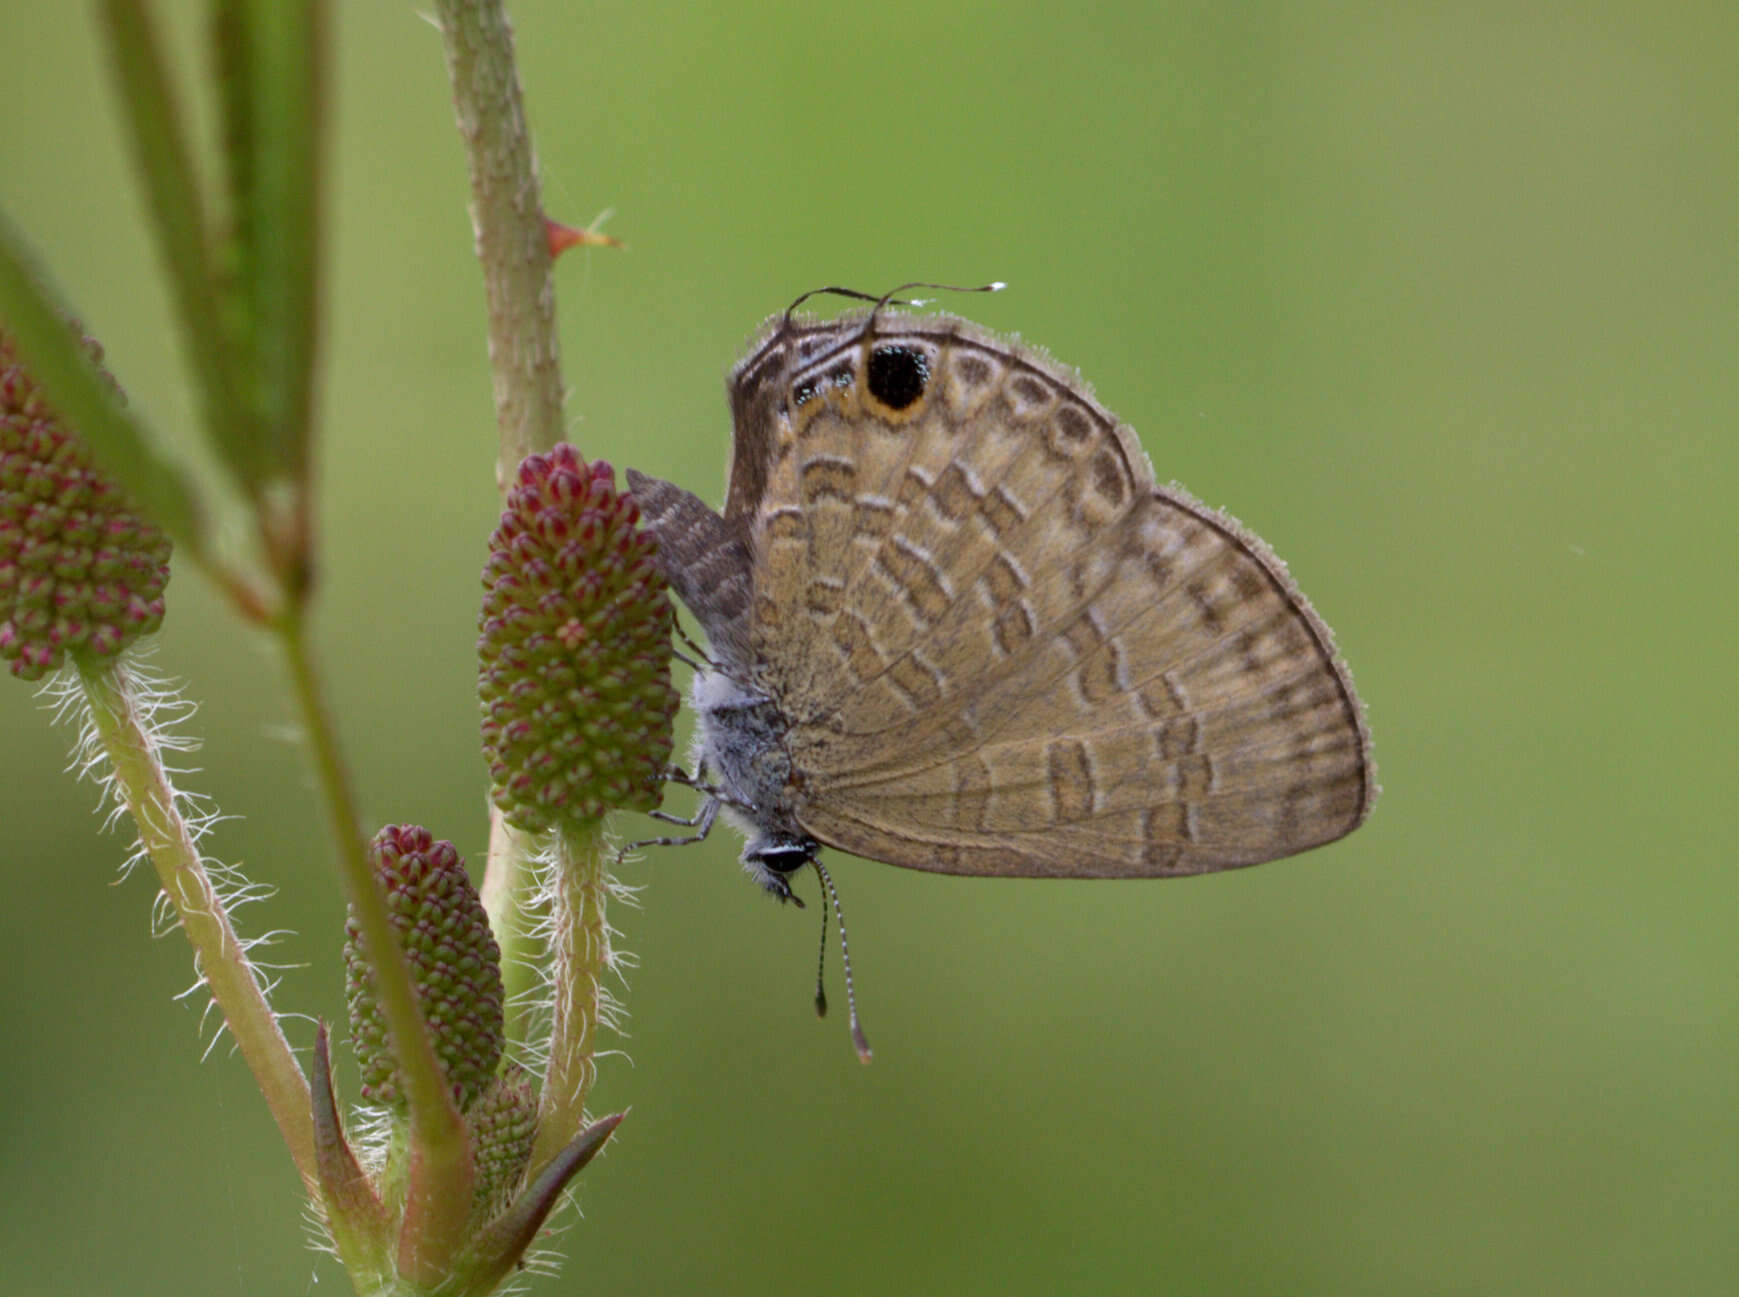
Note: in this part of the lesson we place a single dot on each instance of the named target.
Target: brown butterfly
(955, 625)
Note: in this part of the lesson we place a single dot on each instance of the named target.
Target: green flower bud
(80, 571)
(574, 649)
(503, 1128)
(454, 961)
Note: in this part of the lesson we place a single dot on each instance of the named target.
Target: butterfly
(954, 624)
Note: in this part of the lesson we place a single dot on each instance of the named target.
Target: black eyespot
(898, 375)
(803, 393)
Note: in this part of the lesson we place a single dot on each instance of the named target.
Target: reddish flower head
(80, 571)
(574, 649)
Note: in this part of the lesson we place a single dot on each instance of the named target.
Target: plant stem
(507, 218)
(510, 899)
(513, 247)
(524, 351)
(579, 957)
(439, 1196)
(145, 790)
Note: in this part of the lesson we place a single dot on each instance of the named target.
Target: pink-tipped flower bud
(454, 962)
(573, 655)
(80, 571)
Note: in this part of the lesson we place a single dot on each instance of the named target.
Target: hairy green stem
(144, 788)
(579, 958)
(510, 899)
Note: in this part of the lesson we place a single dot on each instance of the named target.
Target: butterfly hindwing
(1153, 745)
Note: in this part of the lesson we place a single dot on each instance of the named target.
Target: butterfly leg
(696, 781)
(706, 814)
(704, 664)
(701, 823)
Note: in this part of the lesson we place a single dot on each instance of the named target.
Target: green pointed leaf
(499, 1245)
(271, 61)
(354, 1213)
(158, 138)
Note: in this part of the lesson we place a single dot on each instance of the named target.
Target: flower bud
(455, 968)
(80, 571)
(574, 649)
(503, 1127)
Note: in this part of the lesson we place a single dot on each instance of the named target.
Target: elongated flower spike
(80, 571)
(454, 961)
(573, 649)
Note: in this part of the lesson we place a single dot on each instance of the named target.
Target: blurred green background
(1439, 299)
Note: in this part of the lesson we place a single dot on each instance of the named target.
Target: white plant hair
(161, 714)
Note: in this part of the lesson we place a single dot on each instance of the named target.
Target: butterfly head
(771, 858)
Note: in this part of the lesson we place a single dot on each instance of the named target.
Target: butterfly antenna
(836, 291)
(892, 298)
(859, 1041)
(821, 963)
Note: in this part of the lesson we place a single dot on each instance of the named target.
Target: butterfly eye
(898, 375)
(783, 856)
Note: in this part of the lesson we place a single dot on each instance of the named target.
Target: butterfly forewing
(969, 496)
(1001, 648)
